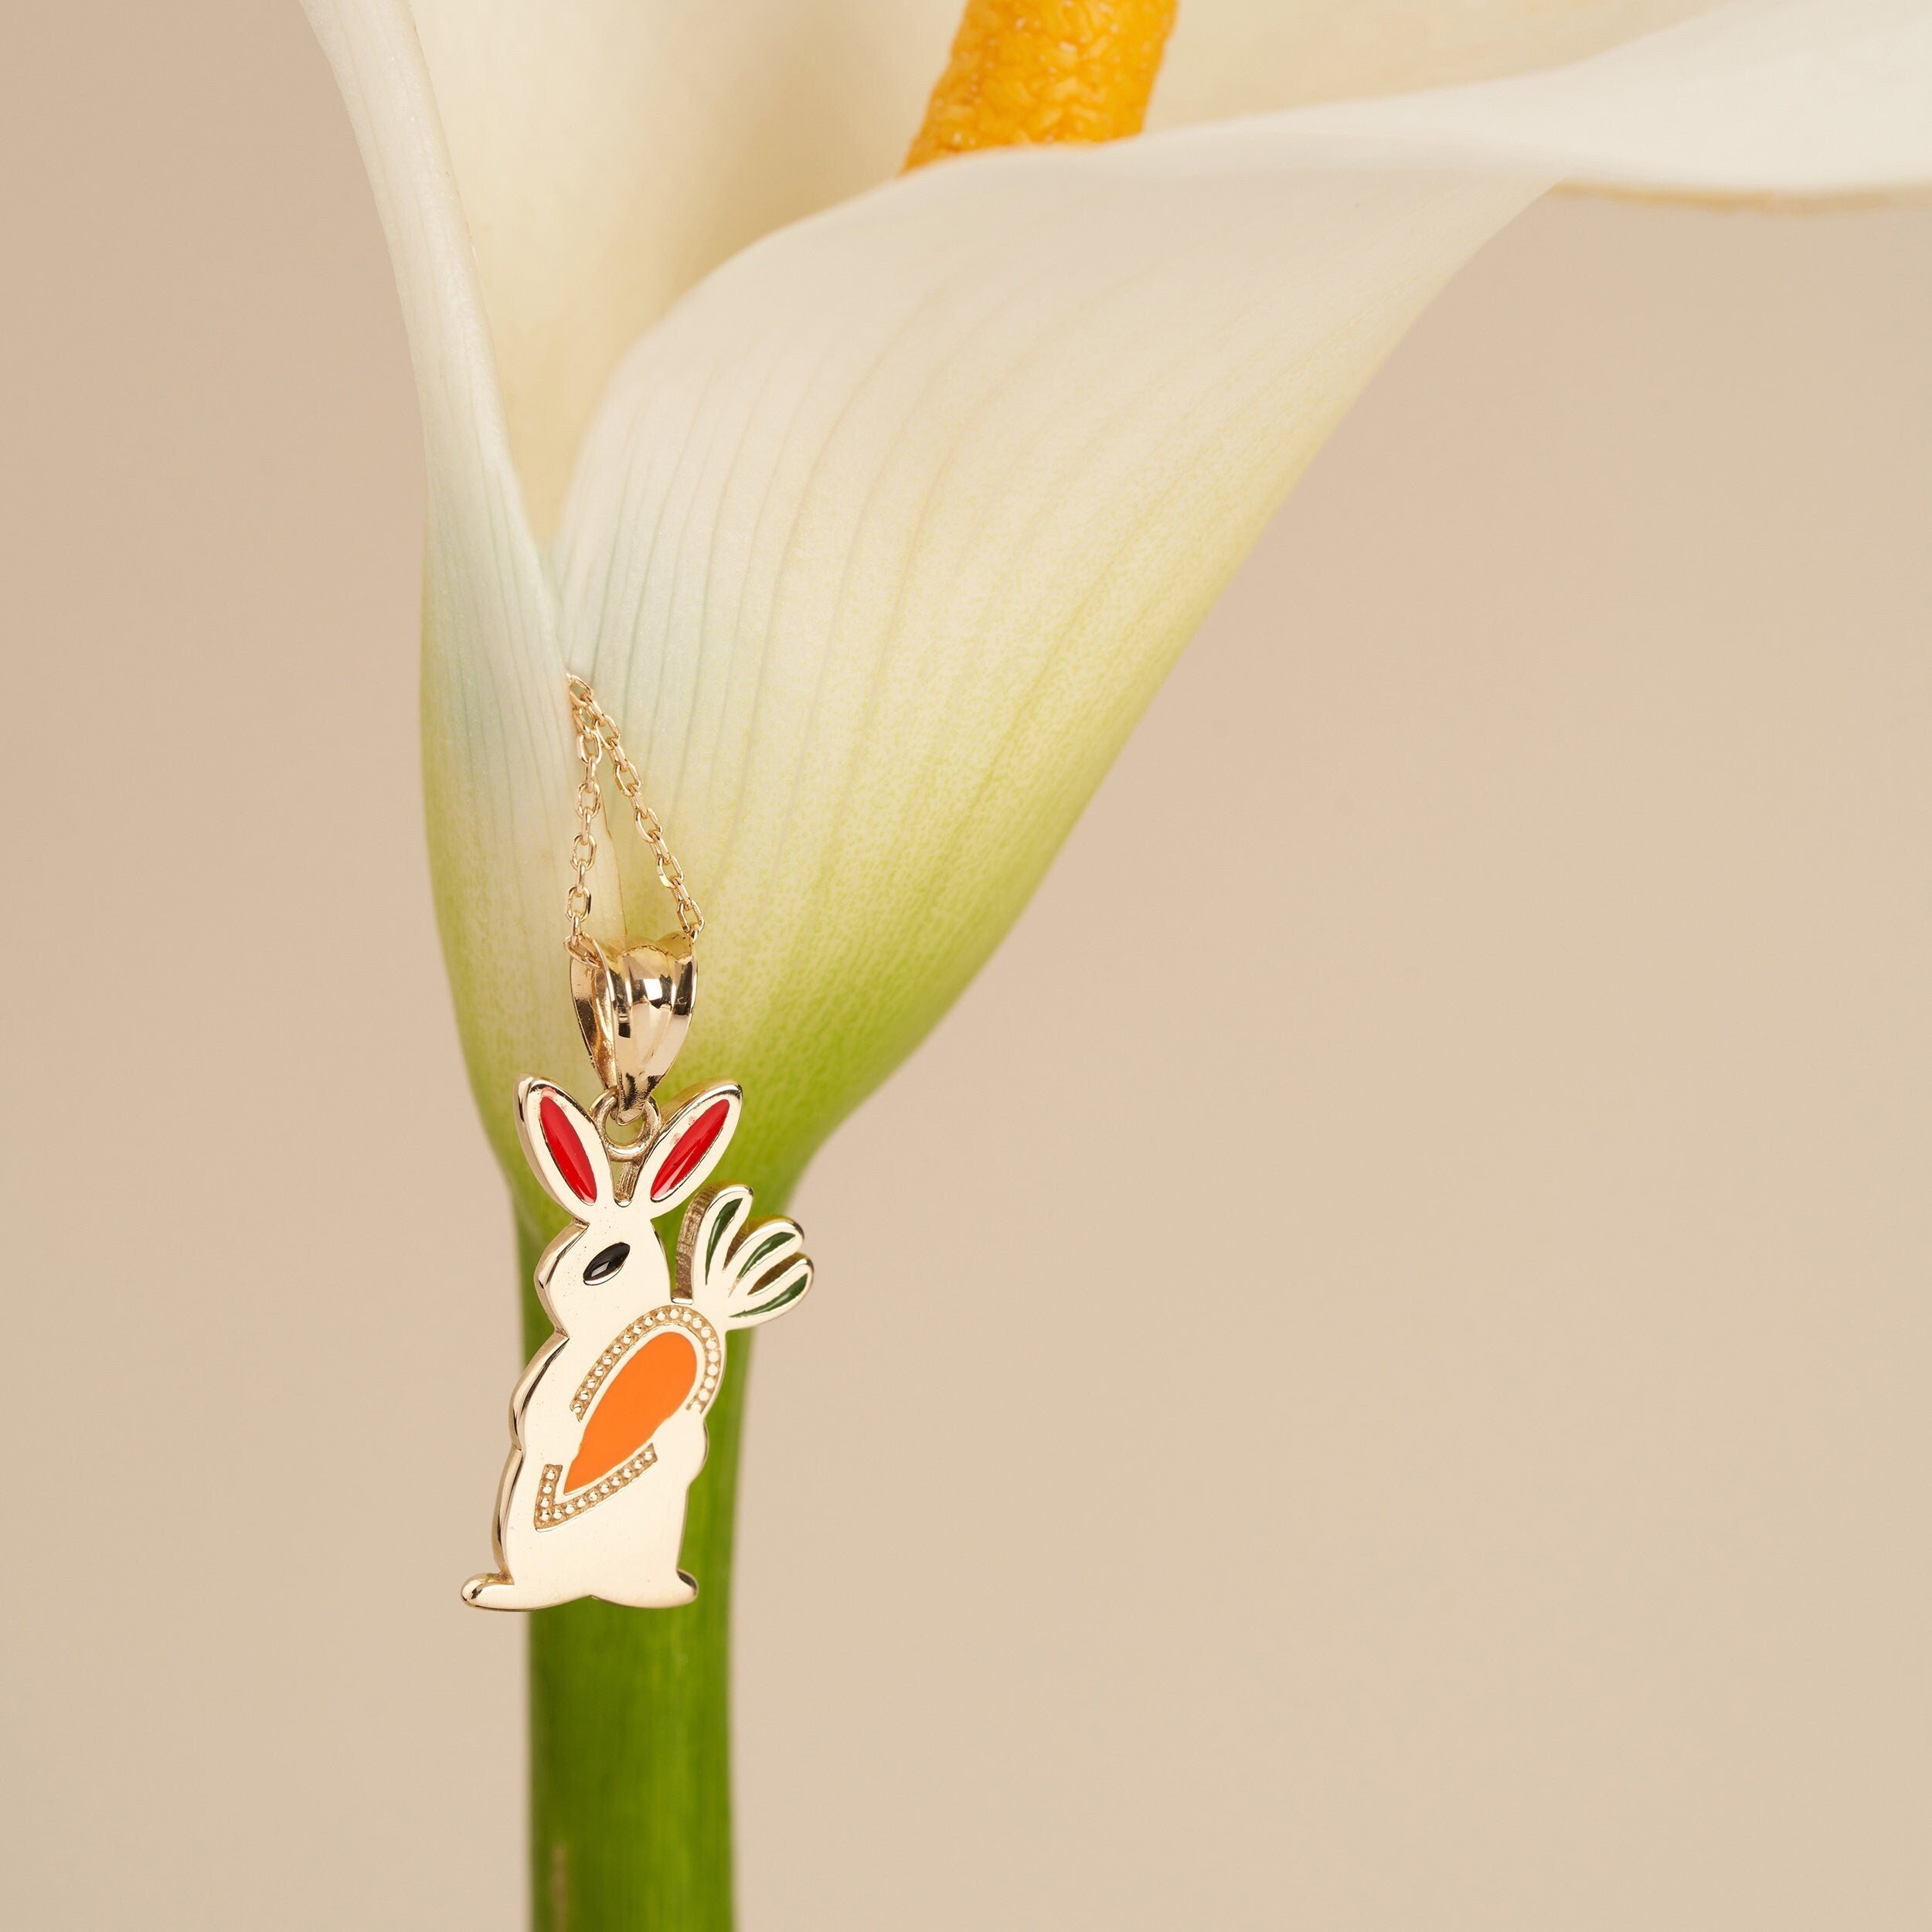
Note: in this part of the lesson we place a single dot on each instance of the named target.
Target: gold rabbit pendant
(608, 1424)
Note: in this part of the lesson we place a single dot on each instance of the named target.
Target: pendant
(608, 1424)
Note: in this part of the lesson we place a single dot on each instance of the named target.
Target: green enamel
(769, 1245)
(784, 1301)
(718, 1227)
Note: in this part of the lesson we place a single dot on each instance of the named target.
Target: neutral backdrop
(1493, 1493)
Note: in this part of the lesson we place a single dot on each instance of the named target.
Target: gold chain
(597, 733)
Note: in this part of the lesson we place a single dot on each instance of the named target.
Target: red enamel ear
(694, 1143)
(567, 1150)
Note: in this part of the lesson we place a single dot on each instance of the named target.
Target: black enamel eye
(605, 1265)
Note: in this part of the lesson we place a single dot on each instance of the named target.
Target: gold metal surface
(619, 1537)
(597, 734)
(634, 1008)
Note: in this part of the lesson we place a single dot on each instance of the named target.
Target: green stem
(630, 1720)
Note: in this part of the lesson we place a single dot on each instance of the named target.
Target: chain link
(597, 734)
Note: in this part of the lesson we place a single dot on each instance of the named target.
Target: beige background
(1525, 1524)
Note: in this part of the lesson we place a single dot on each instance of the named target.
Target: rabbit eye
(606, 1264)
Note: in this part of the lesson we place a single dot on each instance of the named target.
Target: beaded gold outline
(671, 1315)
(550, 1513)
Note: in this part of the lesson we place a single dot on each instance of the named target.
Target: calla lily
(876, 509)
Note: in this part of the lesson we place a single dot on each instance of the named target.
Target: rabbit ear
(697, 1127)
(564, 1148)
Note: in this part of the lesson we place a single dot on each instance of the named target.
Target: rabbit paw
(744, 1270)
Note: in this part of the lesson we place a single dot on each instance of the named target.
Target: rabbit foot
(659, 1596)
(494, 1592)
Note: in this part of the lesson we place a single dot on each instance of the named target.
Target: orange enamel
(642, 1395)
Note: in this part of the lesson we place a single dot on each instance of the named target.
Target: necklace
(608, 1424)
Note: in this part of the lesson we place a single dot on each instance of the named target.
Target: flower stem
(630, 1720)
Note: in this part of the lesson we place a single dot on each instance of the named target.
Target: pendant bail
(633, 1008)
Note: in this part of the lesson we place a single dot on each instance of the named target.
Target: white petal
(1808, 99)
(886, 533)
(495, 732)
(884, 537)
(610, 153)
(1230, 57)
(493, 569)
